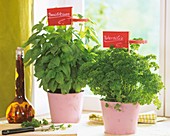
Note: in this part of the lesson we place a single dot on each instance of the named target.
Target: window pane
(140, 17)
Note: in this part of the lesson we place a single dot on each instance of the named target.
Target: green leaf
(37, 27)
(43, 19)
(38, 66)
(68, 85)
(54, 50)
(56, 61)
(65, 88)
(59, 78)
(36, 51)
(115, 86)
(45, 59)
(45, 122)
(66, 69)
(32, 38)
(34, 123)
(135, 46)
(90, 33)
(44, 83)
(106, 105)
(66, 49)
(77, 87)
(50, 75)
(117, 107)
(39, 74)
(52, 36)
(51, 65)
(35, 42)
(27, 56)
(53, 85)
(79, 15)
(49, 29)
(46, 47)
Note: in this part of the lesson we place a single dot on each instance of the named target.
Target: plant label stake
(117, 39)
(61, 16)
(137, 41)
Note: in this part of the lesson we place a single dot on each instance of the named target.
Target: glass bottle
(20, 109)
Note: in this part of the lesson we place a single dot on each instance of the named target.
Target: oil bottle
(20, 109)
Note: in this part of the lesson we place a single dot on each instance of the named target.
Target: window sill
(84, 128)
(158, 129)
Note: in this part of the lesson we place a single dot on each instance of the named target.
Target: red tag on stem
(116, 39)
(137, 41)
(59, 16)
(62, 16)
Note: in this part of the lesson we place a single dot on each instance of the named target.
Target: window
(167, 55)
(140, 18)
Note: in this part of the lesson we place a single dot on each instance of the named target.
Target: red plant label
(116, 39)
(59, 16)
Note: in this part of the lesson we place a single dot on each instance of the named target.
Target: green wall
(15, 26)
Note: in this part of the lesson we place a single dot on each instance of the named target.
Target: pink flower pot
(65, 108)
(120, 122)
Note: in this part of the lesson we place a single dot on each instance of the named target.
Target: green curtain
(15, 26)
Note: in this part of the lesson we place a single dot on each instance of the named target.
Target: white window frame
(167, 60)
(92, 103)
(162, 53)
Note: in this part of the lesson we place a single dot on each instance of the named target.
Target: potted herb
(125, 80)
(57, 53)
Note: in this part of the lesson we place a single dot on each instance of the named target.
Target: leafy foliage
(40, 123)
(119, 75)
(35, 123)
(57, 53)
